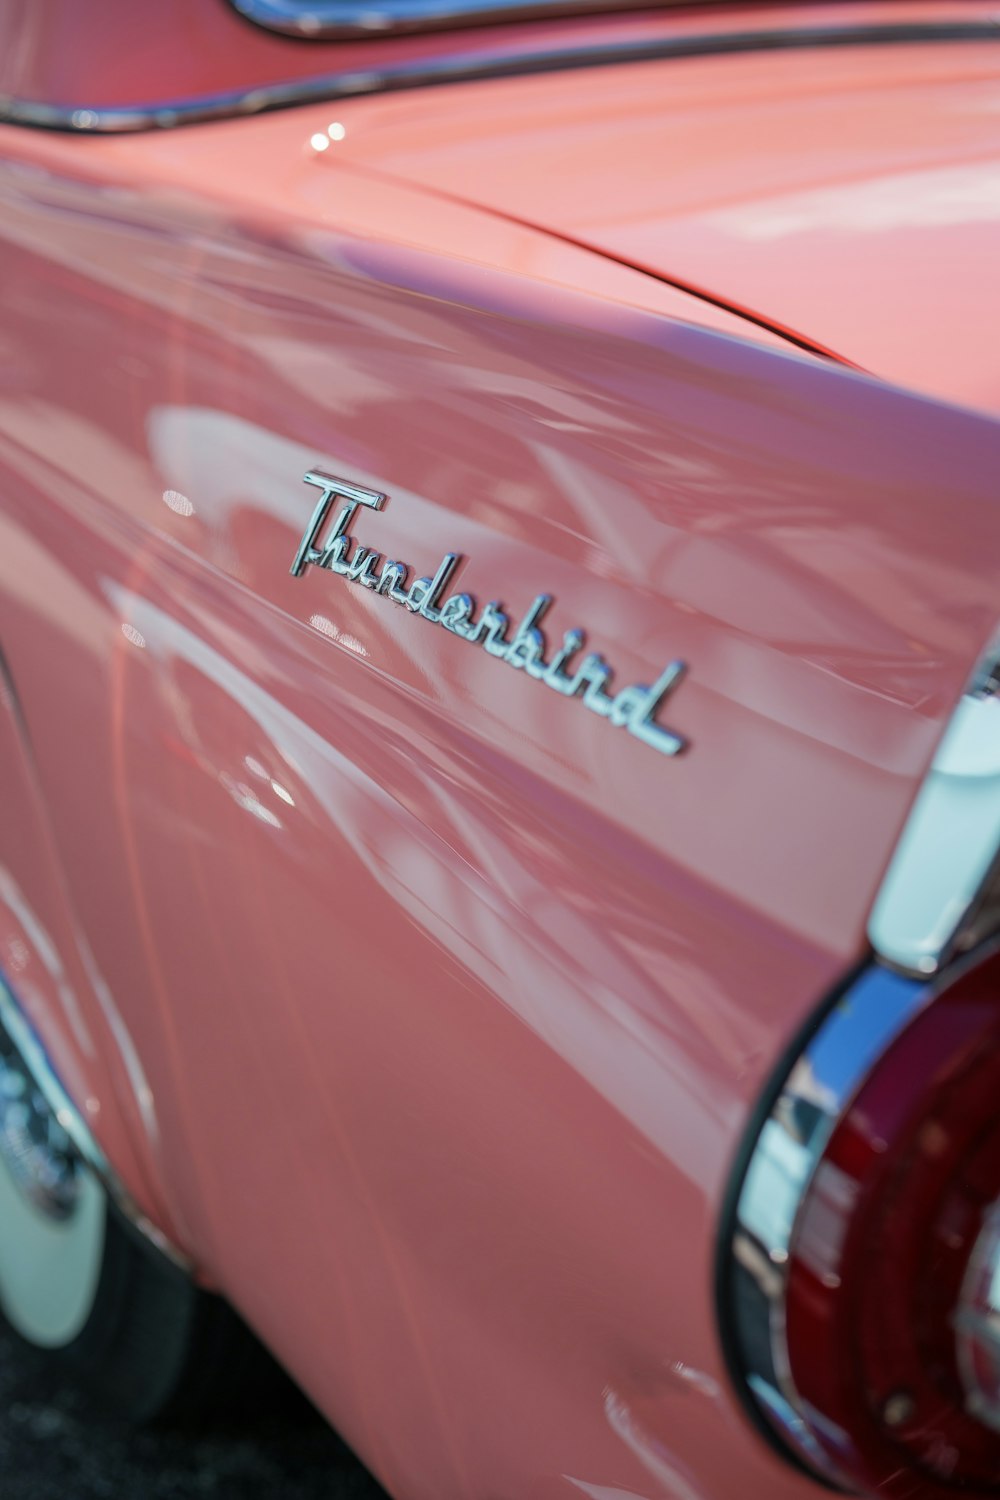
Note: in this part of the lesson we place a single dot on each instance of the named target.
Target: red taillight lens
(883, 1309)
(879, 1297)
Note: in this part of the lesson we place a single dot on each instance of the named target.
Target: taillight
(860, 1263)
(863, 1268)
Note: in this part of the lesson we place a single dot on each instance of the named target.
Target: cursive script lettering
(633, 708)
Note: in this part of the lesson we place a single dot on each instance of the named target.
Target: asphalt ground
(54, 1447)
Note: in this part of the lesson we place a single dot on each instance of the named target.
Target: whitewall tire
(50, 1267)
(85, 1287)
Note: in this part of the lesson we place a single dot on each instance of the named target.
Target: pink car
(499, 729)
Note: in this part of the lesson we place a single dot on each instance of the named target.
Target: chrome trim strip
(465, 67)
(32, 1053)
(328, 20)
(786, 1150)
(335, 20)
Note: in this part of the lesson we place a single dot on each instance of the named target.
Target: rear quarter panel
(451, 1000)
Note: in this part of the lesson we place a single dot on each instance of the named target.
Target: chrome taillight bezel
(875, 1100)
(861, 1020)
(926, 933)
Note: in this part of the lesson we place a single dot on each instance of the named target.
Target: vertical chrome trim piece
(940, 895)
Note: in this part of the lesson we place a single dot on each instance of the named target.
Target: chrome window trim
(32, 1053)
(335, 20)
(94, 118)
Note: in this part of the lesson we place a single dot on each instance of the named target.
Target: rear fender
(54, 989)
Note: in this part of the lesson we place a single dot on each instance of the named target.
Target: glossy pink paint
(449, 1001)
(850, 196)
(46, 957)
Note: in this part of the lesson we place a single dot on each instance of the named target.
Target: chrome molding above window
(941, 893)
(329, 20)
(32, 1055)
(335, 19)
(94, 118)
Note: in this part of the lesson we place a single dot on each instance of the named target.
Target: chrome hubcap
(53, 1213)
(37, 1151)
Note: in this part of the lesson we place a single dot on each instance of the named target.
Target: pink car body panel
(855, 201)
(422, 1008)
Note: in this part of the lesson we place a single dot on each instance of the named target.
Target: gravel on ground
(54, 1447)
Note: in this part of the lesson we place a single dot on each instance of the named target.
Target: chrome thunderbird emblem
(633, 708)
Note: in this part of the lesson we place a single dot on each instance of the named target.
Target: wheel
(53, 1219)
(92, 1296)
